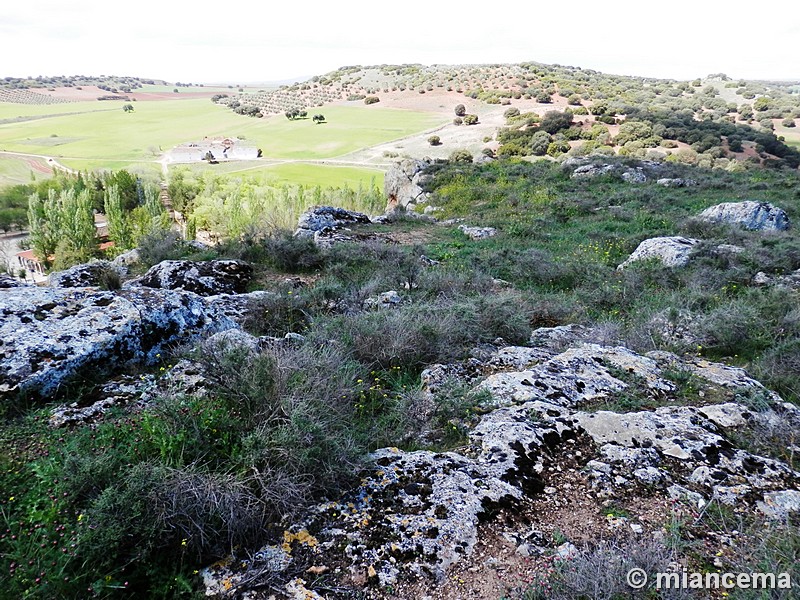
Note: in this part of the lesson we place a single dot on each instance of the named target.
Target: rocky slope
(417, 514)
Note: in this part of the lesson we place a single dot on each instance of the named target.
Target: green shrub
(461, 156)
(160, 245)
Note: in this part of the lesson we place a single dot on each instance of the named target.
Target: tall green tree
(119, 227)
(62, 223)
(43, 235)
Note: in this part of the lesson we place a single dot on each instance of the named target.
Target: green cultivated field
(113, 135)
(15, 170)
(298, 173)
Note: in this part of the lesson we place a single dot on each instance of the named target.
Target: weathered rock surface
(635, 175)
(403, 183)
(238, 307)
(206, 278)
(6, 281)
(390, 299)
(48, 335)
(93, 274)
(128, 259)
(761, 216)
(119, 391)
(792, 280)
(671, 251)
(321, 218)
(416, 513)
(628, 174)
(478, 233)
(590, 171)
(676, 182)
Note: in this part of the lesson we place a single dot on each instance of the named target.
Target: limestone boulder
(760, 216)
(97, 273)
(404, 182)
(6, 281)
(322, 218)
(478, 233)
(50, 335)
(670, 251)
(205, 278)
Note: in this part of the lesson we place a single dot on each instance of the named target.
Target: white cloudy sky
(256, 41)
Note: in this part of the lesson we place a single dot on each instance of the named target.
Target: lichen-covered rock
(93, 274)
(321, 218)
(415, 513)
(119, 391)
(749, 214)
(6, 281)
(206, 278)
(676, 182)
(635, 175)
(128, 259)
(671, 251)
(239, 307)
(478, 233)
(403, 183)
(390, 299)
(573, 377)
(591, 171)
(781, 504)
(48, 335)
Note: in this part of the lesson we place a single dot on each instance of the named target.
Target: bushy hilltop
(121, 83)
(501, 84)
(23, 90)
(712, 122)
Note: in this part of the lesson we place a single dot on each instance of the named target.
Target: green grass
(308, 174)
(11, 110)
(141, 167)
(113, 135)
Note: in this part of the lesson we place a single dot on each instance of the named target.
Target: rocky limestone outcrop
(676, 182)
(671, 251)
(128, 259)
(415, 513)
(321, 218)
(390, 299)
(792, 280)
(205, 278)
(93, 274)
(404, 182)
(6, 281)
(48, 335)
(627, 174)
(761, 216)
(478, 233)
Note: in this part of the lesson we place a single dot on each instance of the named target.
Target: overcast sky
(241, 41)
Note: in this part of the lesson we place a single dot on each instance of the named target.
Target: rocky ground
(573, 440)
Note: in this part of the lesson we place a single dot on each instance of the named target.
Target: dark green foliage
(461, 156)
(554, 121)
